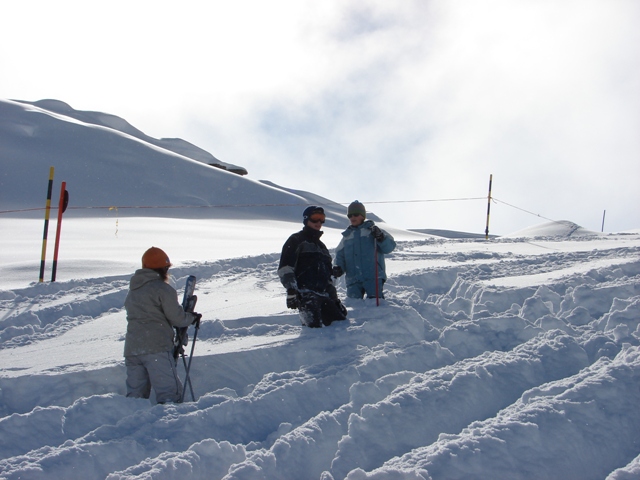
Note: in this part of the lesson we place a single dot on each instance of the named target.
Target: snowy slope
(114, 122)
(514, 358)
(562, 228)
(451, 377)
(113, 172)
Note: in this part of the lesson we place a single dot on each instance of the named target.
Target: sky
(409, 108)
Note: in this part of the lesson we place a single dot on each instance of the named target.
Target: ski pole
(187, 379)
(178, 351)
(375, 259)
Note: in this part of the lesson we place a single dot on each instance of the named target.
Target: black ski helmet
(310, 211)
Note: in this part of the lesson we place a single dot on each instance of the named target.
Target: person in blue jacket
(361, 252)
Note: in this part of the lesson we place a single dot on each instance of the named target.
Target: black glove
(292, 298)
(342, 308)
(181, 337)
(196, 318)
(377, 233)
(337, 271)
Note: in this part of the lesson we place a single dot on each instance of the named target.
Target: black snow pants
(317, 309)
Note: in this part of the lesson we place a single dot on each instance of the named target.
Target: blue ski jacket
(355, 254)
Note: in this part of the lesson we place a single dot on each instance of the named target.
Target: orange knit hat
(155, 258)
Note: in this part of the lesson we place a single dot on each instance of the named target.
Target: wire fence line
(523, 210)
(234, 205)
(253, 205)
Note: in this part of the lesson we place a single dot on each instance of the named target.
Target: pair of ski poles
(187, 365)
(188, 304)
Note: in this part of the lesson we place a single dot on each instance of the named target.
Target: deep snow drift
(514, 358)
(501, 359)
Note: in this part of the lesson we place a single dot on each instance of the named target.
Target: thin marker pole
(46, 226)
(603, 214)
(486, 230)
(62, 206)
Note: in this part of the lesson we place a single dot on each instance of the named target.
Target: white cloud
(366, 100)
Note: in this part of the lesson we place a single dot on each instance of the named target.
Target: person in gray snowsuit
(363, 244)
(153, 311)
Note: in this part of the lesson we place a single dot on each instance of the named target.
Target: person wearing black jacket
(305, 271)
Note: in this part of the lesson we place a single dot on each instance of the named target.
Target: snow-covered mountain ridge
(112, 168)
(114, 122)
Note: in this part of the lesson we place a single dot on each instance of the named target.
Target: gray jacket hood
(143, 276)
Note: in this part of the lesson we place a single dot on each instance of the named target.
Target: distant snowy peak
(112, 169)
(560, 228)
(176, 145)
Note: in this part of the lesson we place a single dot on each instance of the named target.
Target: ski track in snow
(457, 370)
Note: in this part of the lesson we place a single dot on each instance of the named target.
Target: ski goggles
(317, 217)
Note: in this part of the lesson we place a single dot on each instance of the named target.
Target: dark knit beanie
(357, 207)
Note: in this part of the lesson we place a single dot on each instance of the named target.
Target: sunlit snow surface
(508, 358)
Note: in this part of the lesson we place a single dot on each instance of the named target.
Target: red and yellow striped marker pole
(62, 206)
(46, 225)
